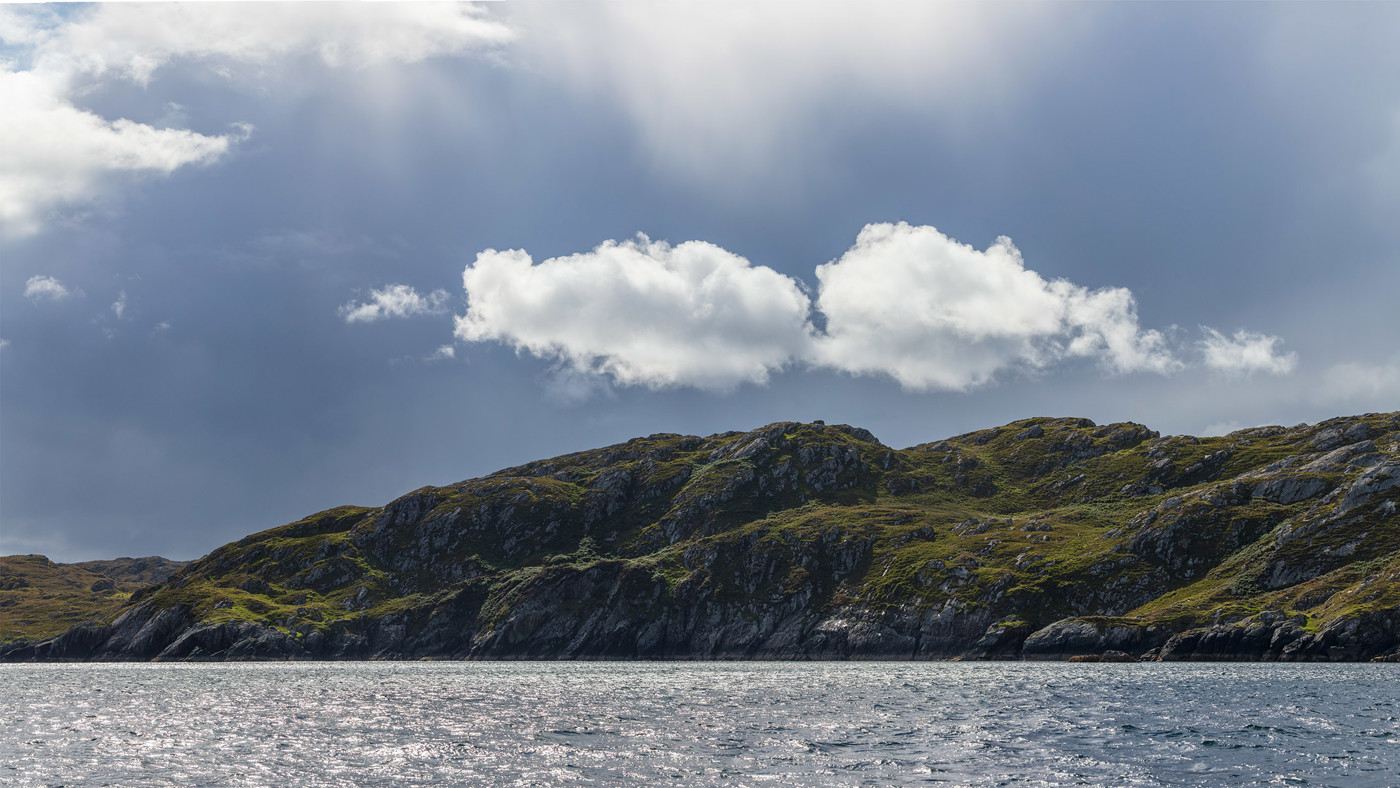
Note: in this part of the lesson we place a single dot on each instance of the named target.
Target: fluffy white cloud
(46, 288)
(54, 153)
(119, 306)
(1104, 323)
(394, 301)
(933, 313)
(641, 312)
(904, 301)
(1246, 352)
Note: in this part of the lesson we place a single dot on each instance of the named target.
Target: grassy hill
(39, 598)
(1045, 538)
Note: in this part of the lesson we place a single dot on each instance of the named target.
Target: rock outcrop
(1044, 539)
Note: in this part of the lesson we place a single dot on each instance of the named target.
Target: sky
(258, 260)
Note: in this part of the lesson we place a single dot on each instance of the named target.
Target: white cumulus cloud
(1246, 352)
(54, 153)
(46, 288)
(119, 305)
(641, 312)
(904, 301)
(394, 301)
(914, 304)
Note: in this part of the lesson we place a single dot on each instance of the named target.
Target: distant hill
(39, 598)
(1048, 538)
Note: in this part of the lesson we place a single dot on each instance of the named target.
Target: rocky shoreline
(173, 634)
(1046, 539)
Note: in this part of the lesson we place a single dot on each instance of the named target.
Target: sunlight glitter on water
(1033, 724)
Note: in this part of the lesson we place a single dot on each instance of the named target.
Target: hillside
(1043, 539)
(39, 598)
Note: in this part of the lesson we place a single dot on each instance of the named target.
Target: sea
(700, 723)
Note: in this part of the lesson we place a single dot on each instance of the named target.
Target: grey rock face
(1270, 637)
(796, 541)
(1072, 637)
(1290, 489)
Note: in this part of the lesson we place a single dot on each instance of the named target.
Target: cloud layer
(721, 87)
(394, 301)
(641, 312)
(1247, 352)
(54, 153)
(135, 40)
(45, 288)
(933, 313)
(905, 302)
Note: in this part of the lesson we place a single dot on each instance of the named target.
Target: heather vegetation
(39, 598)
(1045, 538)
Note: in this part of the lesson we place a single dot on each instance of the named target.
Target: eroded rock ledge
(1046, 539)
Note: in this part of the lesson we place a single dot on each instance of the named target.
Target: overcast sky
(259, 260)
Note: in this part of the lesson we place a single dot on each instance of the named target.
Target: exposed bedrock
(1045, 539)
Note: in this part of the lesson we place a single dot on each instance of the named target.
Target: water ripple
(741, 724)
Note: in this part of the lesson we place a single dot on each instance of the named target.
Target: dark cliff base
(1047, 539)
(174, 636)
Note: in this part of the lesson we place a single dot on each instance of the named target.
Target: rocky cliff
(1043, 539)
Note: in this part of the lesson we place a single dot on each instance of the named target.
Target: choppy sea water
(687, 723)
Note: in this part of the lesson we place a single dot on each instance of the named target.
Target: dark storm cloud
(1230, 166)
